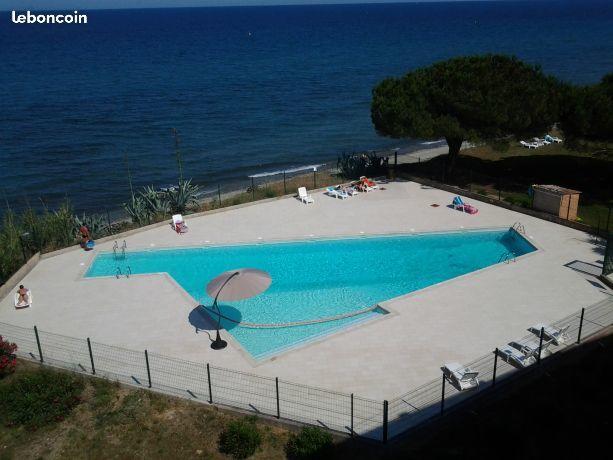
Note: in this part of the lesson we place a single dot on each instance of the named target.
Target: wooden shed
(560, 201)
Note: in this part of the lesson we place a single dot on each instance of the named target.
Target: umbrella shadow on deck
(204, 319)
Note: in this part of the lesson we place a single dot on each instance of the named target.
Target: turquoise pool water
(320, 278)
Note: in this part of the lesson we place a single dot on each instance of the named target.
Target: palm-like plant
(157, 203)
(94, 222)
(137, 210)
(183, 196)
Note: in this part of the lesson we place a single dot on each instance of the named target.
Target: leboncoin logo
(32, 18)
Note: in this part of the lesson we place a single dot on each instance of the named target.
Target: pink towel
(470, 209)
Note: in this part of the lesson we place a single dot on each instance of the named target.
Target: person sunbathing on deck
(23, 295)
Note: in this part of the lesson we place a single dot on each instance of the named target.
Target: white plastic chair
(304, 196)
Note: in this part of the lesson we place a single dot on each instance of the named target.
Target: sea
(250, 90)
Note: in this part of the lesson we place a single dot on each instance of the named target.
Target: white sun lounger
(177, 219)
(551, 334)
(515, 357)
(335, 193)
(461, 377)
(304, 196)
(555, 139)
(528, 145)
(23, 304)
(531, 347)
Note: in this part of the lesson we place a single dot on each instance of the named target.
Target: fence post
(395, 158)
(219, 194)
(252, 190)
(314, 178)
(352, 415)
(580, 326)
(608, 220)
(495, 366)
(284, 185)
(541, 344)
(208, 377)
(40, 350)
(385, 406)
(499, 192)
(148, 370)
(443, 395)
(277, 388)
(91, 356)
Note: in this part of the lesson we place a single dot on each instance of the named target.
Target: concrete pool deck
(458, 320)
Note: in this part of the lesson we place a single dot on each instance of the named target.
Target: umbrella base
(219, 344)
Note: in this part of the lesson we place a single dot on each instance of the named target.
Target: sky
(84, 5)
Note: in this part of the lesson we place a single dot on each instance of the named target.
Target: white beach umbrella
(238, 284)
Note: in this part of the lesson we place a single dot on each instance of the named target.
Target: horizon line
(352, 3)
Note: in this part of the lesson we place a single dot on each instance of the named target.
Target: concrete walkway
(458, 320)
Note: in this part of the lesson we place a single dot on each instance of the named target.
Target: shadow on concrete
(203, 318)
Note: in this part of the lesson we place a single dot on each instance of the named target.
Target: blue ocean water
(319, 279)
(250, 89)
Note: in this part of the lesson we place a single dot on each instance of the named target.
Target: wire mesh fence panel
(119, 364)
(368, 418)
(23, 337)
(183, 378)
(66, 352)
(315, 406)
(244, 391)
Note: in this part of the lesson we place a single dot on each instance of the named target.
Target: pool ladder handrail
(124, 247)
(119, 274)
(519, 228)
(115, 248)
(507, 257)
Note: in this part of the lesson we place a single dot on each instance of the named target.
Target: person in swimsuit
(23, 295)
(85, 236)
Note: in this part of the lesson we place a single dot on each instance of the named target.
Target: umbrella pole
(218, 343)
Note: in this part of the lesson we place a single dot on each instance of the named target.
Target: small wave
(432, 142)
(292, 170)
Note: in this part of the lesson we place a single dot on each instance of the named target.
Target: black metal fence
(342, 412)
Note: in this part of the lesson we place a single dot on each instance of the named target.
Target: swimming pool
(319, 279)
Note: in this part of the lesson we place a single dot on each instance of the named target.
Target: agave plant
(157, 203)
(137, 210)
(94, 222)
(183, 196)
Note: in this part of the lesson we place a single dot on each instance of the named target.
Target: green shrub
(270, 193)
(38, 398)
(310, 443)
(523, 201)
(240, 439)
(354, 165)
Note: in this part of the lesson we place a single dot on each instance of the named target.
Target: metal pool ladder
(123, 248)
(507, 257)
(119, 274)
(519, 228)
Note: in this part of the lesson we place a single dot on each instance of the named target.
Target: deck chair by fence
(550, 333)
(531, 347)
(515, 357)
(461, 377)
